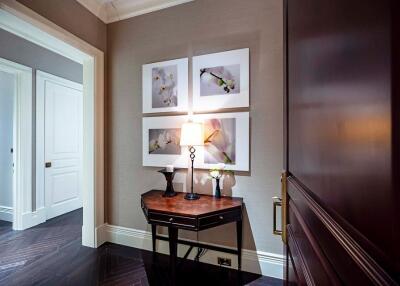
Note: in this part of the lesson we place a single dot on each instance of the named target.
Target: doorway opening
(57, 107)
(16, 147)
(7, 99)
(23, 22)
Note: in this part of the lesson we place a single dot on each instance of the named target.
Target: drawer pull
(171, 219)
(221, 217)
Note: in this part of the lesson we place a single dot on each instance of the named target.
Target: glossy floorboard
(51, 254)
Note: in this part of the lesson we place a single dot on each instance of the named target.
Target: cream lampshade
(192, 135)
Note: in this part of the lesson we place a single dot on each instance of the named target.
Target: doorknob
(48, 165)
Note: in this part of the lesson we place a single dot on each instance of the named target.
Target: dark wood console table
(177, 213)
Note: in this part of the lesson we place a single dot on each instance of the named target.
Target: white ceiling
(115, 10)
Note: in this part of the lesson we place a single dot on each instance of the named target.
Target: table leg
(239, 243)
(173, 251)
(153, 236)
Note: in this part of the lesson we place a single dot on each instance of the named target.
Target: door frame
(23, 22)
(41, 79)
(22, 139)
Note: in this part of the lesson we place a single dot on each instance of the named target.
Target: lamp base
(192, 196)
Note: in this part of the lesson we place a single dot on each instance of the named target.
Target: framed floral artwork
(226, 140)
(221, 80)
(165, 86)
(161, 142)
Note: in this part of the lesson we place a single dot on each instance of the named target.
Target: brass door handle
(47, 164)
(277, 202)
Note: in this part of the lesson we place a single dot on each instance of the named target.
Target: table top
(153, 200)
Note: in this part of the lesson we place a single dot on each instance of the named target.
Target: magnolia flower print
(220, 141)
(164, 87)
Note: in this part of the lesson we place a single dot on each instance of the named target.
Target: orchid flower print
(220, 80)
(164, 86)
(220, 141)
(164, 141)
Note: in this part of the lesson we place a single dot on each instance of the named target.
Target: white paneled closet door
(63, 145)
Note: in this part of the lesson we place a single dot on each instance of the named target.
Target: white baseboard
(6, 213)
(260, 262)
(33, 218)
(100, 235)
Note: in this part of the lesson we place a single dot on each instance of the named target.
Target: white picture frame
(165, 86)
(233, 127)
(158, 159)
(232, 67)
(241, 138)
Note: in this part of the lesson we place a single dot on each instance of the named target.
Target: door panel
(63, 148)
(343, 226)
(7, 95)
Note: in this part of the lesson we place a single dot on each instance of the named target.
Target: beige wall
(199, 27)
(73, 17)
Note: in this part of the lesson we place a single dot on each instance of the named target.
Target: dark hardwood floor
(52, 254)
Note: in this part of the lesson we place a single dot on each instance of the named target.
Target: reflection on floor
(51, 254)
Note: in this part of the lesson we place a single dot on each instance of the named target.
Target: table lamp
(192, 135)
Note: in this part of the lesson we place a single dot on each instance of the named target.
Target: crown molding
(96, 7)
(127, 9)
(110, 11)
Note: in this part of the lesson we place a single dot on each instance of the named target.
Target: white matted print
(165, 86)
(226, 140)
(221, 80)
(161, 142)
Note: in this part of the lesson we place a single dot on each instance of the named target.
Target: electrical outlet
(224, 261)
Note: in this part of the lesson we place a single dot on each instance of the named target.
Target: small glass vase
(217, 188)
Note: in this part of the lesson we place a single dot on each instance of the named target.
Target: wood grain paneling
(325, 242)
(342, 141)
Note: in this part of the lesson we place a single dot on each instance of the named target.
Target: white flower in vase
(217, 175)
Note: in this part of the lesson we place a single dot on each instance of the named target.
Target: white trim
(96, 8)
(6, 213)
(9, 22)
(34, 218)
(260, 262)
(112, 11)
(126, 9)
(22, 143)
(58, 80)
(20, 20)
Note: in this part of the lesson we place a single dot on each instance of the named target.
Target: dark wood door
(342, 143)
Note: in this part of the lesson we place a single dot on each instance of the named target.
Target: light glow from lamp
(192, 134)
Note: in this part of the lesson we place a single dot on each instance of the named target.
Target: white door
(7, 86)
(63, 146)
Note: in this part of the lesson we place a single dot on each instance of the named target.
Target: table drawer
(178, 221)
(220, 218)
